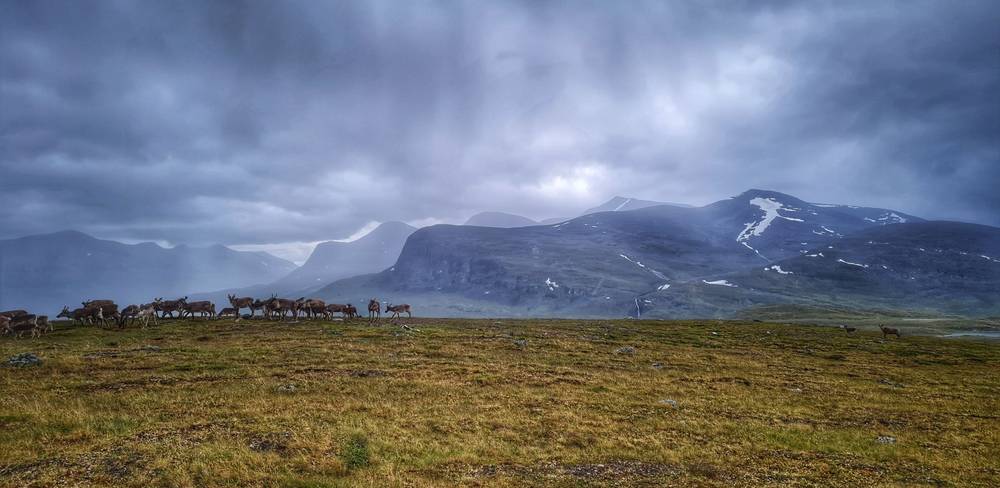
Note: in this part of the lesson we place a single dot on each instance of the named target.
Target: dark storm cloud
(264, 122)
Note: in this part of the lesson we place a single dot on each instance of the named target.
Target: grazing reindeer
(4, 325)
(888, 331)
(337, 308)
(203, 308)
(374, 310)
(350, 311)
(242, 302)
(398, 309)
(848, 329)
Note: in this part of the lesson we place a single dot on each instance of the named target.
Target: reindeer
(203, 308)
(12, 314)
(97, 303)
(21, 324)
(314, 307)
(129, 312)
(42, 324)
(373, 310)
(242, 302)
(288, 306)
(147, 311)
(351, 311)
(888, 331)
(848, 329)
(168, 307)
(79, 315)
(398, 309)
(336, 308)
(226, 312)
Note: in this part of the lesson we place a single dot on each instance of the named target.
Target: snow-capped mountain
(606, 263)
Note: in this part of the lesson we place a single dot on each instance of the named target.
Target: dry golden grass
(498, 403)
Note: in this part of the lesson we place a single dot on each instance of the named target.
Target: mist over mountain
(44, 272)
(621, 204)
(332, 260)
(675, 261)
(499, 219)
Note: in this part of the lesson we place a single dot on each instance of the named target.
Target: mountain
(942, 267)
(333, 260)
(609, 263)
(44, 272)
(624, 204)
(499, 219)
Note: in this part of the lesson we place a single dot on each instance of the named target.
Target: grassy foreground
(498, 403)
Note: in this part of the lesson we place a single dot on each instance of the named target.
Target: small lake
(986, 334)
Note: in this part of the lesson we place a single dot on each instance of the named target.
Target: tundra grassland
(461, 402)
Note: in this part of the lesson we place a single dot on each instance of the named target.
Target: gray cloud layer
(263, 122)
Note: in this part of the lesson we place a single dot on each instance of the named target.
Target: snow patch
(626, 202)
(891, 218)
(663, 287)
(719, 283)
(852, 264)
(771, 208)
(778, 269)
(817, 255)
(643, 266)
(551, 284)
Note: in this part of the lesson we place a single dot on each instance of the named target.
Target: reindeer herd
(106, 313)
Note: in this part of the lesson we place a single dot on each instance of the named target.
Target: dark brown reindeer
(78, 315)
(398, 309)
(241, 303)
(314, 307)
(11, 314)
(102, 311)
(270, 307)
(888, 331)
(345, 310)
(98, 303)
(374, 311)
(276, 308)
(168, 307)
(203, 308)
(350, 311)
(848, 329)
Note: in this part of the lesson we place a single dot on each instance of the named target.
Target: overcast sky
(271, 122)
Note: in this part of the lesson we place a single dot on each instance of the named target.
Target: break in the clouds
(254, 123)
